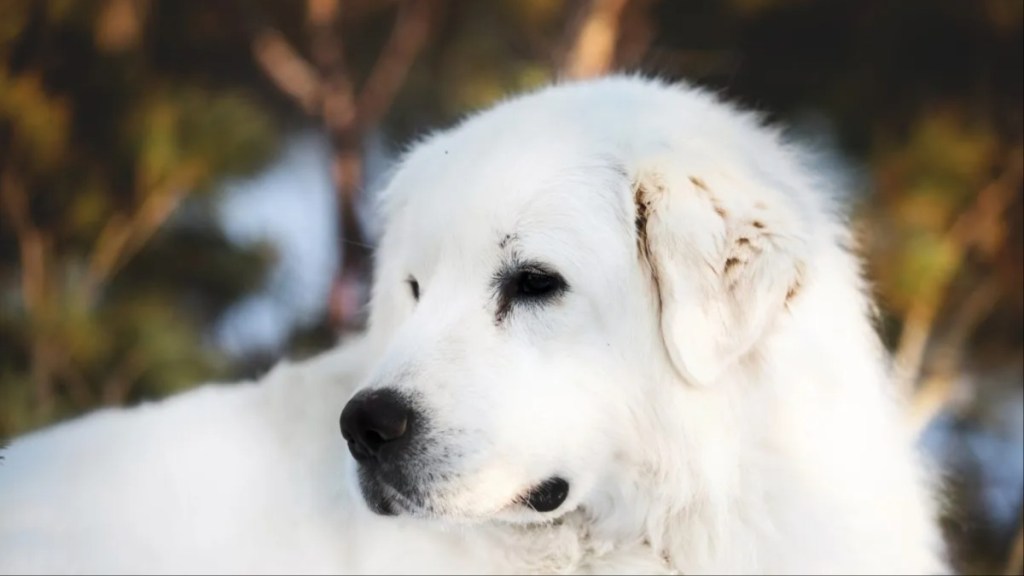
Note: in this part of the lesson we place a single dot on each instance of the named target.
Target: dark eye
(532, 283)
(538, 284)
(526, 283)
(414, 287)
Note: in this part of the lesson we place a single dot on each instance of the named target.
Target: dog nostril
(374, 419)
(374, 438)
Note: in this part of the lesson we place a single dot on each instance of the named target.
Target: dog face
(550, 278)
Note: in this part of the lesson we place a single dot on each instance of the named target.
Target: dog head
(554, 275)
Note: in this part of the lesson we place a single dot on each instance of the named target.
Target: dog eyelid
(538, 283)
(529, 281)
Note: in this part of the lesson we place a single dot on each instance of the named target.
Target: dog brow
(510, 264)
(507, 240)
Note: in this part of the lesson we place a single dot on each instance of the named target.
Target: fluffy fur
(709, 384)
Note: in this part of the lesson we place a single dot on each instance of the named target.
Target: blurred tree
(106, 282)
(325, 86)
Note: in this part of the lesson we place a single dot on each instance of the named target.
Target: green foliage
(936, 171)
(222, 133)
(106, 295)
(37, 121)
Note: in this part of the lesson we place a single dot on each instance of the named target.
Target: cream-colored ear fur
(722, 272)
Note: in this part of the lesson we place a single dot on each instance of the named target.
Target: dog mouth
(386, 500)
(391, 502)
(547, 496)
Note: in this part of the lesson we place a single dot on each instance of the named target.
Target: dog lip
(389, 500)
(384, 506)
(547, 496)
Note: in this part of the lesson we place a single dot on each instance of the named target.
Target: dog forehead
(467, 187)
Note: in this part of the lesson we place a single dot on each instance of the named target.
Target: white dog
(616, 327)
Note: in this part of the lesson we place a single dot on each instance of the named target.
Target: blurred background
(184, 186)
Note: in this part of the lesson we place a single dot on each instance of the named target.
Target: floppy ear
(721, 264)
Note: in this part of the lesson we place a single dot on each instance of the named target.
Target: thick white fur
(710, 385)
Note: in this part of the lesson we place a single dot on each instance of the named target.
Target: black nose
(374, 421)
